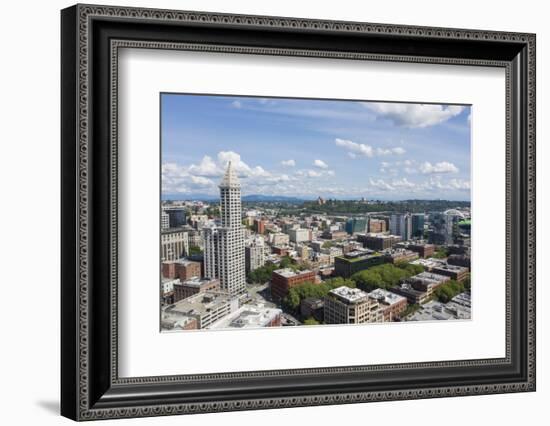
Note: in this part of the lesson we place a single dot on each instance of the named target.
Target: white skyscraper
(224, 256)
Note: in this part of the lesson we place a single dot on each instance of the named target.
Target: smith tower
(224, 254)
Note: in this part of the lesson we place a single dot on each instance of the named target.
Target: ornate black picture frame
(91, 37)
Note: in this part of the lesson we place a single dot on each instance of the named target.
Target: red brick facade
(280, 284)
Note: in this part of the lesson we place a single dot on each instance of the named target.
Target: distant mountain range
(253, 198)
(257, 198)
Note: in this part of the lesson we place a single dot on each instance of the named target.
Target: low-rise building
(391, 305)
(332, 253)
(250, 316)
(413, 296)
(423, 249)
(335, 235)
(167, 289)
(183, 269)
(280, 250)
(378, 242)
(317, 245)
(176, 324)
(399, 255)
(345, 305)
(278, 239)
(427, 282)
(459, 260)
(347, 265)
(206, 308)
(457, 273)
(459, 308)
(282, 280)
(192, 286)
(428, 264)
(299, 235)
(312, 307)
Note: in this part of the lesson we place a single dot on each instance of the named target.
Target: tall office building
(444, 226)
(176, 216)
(418, 225)
(356, 225)
(224, 255)
(401, 224)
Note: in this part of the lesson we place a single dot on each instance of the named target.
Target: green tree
(384, 276)
(311, 321)
(308, 289)
(445, 292)
(194, 250)
(440, 253)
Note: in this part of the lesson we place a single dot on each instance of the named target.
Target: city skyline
(309, 148)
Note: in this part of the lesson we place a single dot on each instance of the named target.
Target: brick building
(183, 269)
(391, 305)
(282, 280)
(190, 287)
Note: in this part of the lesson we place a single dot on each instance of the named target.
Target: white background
(142, 346)
(29, 222)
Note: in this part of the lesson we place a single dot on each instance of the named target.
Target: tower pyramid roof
(230, 178)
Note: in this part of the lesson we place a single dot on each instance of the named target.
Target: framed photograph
(264, 212)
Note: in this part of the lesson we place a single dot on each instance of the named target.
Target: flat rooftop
(183, 261)
(248, 316)
(288, 273)
(385, 296)
(197, 282)
(348, 294)
(199, 304)
(452, 268)
(430, 277)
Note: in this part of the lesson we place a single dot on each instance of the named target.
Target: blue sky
(310, 148)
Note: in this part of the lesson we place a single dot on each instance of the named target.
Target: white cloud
(321, 164)
(314, 173)
(380, 184)
(389, 151)
(207, 167)
(414, 115)
(441, 167)
(288, 163)
(355, 148)
(176, 178)
(398, 150)
(403, 183)
(237, 104)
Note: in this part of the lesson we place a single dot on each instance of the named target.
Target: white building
(255, 254)
(298, 235)
(401, 224)
(224, 245)
(278, 239)
(168, 285)
(174, 244)
(250, 316)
